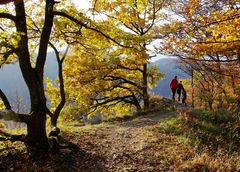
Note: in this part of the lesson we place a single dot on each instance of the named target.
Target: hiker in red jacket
(174, 86)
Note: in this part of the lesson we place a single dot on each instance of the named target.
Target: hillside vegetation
(171, 140)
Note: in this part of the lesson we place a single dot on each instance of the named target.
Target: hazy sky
(82, 3)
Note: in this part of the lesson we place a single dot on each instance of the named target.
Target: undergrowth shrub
(214, 129)
(161, 103)
(211, 138)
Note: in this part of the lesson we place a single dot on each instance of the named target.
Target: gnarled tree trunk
(36, 127)
(36, 139)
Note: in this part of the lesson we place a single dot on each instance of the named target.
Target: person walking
(184, 97)
(179, 90)
(174, 86)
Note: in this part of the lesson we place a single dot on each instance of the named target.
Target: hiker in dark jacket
(179, 90)
(184, 96)
(174, 86)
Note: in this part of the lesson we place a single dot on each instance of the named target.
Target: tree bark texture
(145, 91)
(36, 138)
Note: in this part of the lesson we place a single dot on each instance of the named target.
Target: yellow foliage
(2, 125)
(1, 104)
(103, 71)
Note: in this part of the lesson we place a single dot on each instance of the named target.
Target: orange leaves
(191, 7)
(208, 30)
(210, 35)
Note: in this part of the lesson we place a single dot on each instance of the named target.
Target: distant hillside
(169, 66)
(11, 81)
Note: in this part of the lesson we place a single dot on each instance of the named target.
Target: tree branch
(8, 16)
(62, 14)
(106, 78)
(61, 81)
(110, 100)
(6, 136)
(49, 112)
(10, 115)
(6, 55)
(206, 60)
(5, 100)
(127, 68)
(8, 1)
(45, 36)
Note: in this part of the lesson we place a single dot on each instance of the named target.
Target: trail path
(118, 146)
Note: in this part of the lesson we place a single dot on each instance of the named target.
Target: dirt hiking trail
(122, 146)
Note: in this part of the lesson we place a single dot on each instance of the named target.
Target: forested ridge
(100, 113)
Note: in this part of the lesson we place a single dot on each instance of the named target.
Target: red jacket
(174, 84)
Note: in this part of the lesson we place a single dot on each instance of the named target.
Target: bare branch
(212, 60)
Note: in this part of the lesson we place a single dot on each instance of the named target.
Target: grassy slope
(156, 142)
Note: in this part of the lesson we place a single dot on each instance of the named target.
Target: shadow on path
(73, 158)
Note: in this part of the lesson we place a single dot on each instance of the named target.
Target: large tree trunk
(36, 135)
(36, 138)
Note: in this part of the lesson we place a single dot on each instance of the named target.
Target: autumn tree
(130, 46)
(56, 41)
(106, 76)
(209, 90)
(206, 34)
(20, 34)
(33, 76)
(141, 19)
